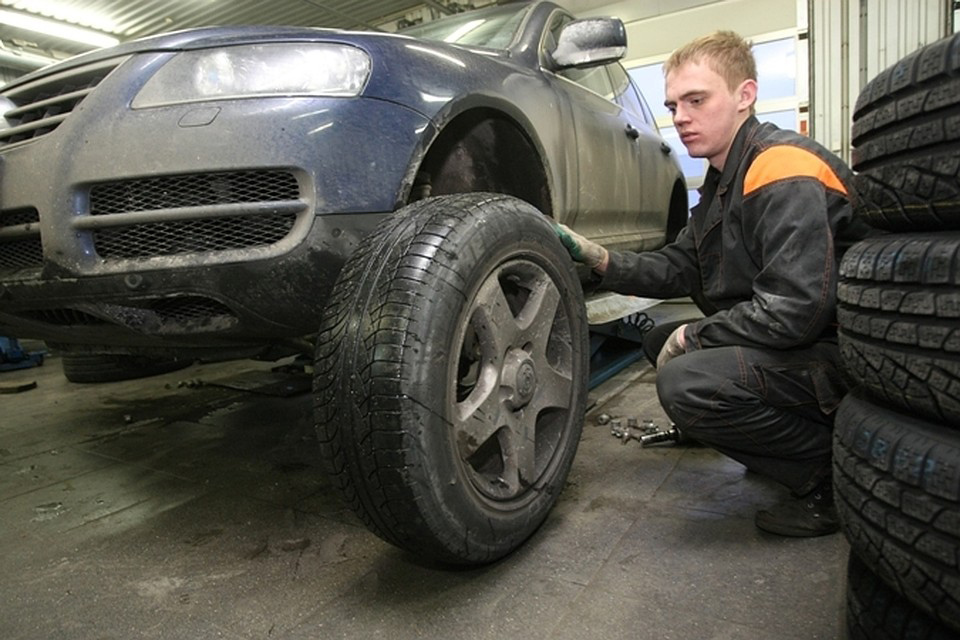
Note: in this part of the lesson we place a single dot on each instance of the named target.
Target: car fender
(501, 105)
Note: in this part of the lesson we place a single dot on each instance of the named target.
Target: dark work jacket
(760, 252)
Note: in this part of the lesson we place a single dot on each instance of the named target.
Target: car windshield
(493, 28)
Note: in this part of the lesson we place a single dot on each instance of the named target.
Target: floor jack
(12, 355)
(616, 345)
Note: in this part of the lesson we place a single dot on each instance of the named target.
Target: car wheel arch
(483, 148)
(679, 211)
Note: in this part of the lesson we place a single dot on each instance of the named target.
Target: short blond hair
(726, 52)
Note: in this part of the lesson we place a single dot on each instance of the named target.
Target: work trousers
(771, 410)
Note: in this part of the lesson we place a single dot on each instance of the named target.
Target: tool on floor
(671, 435)
(633, 429)
(646, 432)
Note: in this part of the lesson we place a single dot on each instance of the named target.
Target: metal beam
(341, 14)
(439, 7)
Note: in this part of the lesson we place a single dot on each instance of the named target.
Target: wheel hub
(519, 378)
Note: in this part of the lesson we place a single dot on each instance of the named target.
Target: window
(776, 69)
(649, 80)
(785, 119)
(595, 78)
(626, 94)
(552, 35)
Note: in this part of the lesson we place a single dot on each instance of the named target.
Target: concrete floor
(164, 508)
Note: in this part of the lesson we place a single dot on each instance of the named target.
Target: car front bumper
(196, 225)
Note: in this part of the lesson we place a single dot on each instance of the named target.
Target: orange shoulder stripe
(783, 162)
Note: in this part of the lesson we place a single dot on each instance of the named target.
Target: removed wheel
(96, 367)
(877, 612)
(451, 376)
(906, 129)
(898, 312)
(897, 481)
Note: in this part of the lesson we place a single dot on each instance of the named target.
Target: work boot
(803, 516)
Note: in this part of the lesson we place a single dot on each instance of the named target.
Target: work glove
(582, 250)
(673, 347)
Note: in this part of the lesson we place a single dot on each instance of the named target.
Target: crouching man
(758, 377)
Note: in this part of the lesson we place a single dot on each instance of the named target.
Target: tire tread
(905, 133)
(897, 482)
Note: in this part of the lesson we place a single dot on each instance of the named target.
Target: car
(199, 194)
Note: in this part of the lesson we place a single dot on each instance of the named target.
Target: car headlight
(283, 69)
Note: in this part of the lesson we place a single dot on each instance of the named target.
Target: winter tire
(899, 305)
(95, 367)
(451, 376)
(877, 612)
(906, 131)
(897, 482)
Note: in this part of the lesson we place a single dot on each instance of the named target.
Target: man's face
(706, 113)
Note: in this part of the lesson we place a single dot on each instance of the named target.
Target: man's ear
(746, 94)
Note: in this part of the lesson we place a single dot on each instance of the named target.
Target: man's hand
(581, 249)
(673, 347)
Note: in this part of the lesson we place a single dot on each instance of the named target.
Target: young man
(757, 378)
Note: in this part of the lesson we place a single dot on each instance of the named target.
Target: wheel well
(483, 150)
(679, 211)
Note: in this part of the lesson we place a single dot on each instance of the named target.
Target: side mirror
(590, 42)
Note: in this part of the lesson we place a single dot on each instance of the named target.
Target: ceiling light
(56, 29)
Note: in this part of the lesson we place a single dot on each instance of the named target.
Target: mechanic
(758, 377)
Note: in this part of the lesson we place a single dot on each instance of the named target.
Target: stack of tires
(897, 436)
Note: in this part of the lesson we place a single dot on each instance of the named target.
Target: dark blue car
(198, 194)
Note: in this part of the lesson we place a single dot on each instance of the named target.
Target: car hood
(211, 37)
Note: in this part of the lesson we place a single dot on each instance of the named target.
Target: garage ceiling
(127, 19)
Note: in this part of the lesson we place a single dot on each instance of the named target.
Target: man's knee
(674, 383)
(693, 382)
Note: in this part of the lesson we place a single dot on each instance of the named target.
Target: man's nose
(680, 115)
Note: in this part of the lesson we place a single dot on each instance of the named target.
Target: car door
(655, 168)
(606, 161)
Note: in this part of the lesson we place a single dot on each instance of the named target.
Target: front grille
(194, 190)
(42, 105)
(20, 246)
(180, 314)
(192, 236)
(194, 213)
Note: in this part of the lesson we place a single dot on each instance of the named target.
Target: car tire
(898, 312)
(451, 376)
(897, 483)
(87, 368)
(877, 612)
(906, 129)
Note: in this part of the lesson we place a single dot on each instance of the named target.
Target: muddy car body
(147, 210)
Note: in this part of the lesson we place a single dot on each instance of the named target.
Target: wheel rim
(514, 381)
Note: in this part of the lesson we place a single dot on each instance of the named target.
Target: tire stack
(897, 435)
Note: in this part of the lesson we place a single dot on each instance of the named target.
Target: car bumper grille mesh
(171, 315)
(41, 106)
(192, 236)
(63, 317)
(191, 213)
(189, 309)
(193, 190)
(20, 246)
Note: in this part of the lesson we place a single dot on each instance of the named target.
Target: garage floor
(190, 505)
